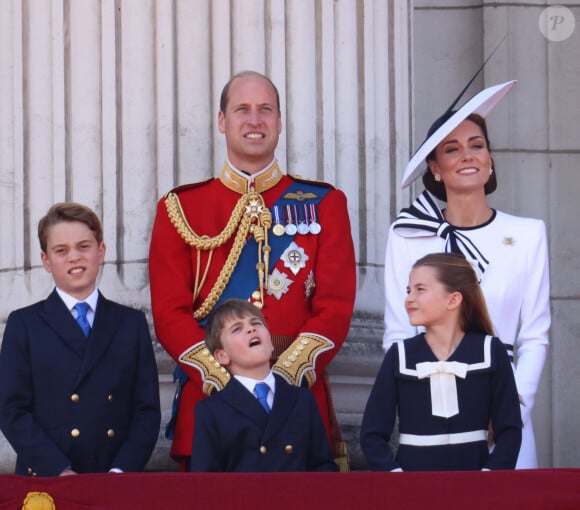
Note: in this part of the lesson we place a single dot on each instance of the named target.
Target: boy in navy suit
(78, 380)
(242, 428)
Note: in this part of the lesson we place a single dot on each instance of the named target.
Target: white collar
(70, 301)
(246, 175)
(249, 383)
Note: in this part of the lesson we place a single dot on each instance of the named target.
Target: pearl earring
(490, 170)
(437, 177)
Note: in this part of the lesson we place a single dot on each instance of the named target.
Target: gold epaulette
(186, 187)
(214, 376)
(298, 361)
(324, 184)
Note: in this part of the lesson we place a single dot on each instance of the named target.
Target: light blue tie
(262, 390)
(82, 309)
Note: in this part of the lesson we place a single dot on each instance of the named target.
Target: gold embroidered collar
(241, 183)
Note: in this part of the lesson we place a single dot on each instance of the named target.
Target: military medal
(302, 226)
(290, 228)
(294, 258)
(278, 228)
(314, 226)
(278, 284)
(254, 208)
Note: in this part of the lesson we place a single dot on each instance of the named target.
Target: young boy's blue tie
(82, 309)
(262, 390)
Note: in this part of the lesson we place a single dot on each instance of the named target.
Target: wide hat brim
(482, 103)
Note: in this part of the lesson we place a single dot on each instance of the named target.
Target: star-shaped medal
(254, 208)
(294, 257)
(278, 284)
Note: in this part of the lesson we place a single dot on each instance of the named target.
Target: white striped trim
(443, 439)
(486, 363)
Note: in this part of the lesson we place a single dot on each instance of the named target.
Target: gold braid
(177, 217)
(249, 214)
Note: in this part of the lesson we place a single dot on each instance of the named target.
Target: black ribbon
(424, 216)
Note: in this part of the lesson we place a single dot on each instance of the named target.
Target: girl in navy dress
(452, 386)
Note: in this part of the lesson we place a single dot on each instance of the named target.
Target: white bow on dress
(442, 376)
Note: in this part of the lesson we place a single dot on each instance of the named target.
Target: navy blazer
(65, 400)
(234, 433)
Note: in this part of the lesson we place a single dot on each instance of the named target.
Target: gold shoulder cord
(249, 215)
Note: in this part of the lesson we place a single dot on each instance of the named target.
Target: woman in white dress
(511, 251)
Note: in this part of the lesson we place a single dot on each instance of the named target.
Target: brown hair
(68, 212)
(437, 187)
(457, 275)
(233, 307)
(243, 74)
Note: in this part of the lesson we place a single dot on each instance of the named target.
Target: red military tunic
(316, 302)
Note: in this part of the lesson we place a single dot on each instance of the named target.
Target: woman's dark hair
(437, 187)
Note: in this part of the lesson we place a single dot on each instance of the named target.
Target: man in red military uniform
(257, 234)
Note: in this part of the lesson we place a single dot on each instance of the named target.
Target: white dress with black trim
(444, 408)
(515, 282)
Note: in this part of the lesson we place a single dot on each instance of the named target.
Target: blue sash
(244, 279)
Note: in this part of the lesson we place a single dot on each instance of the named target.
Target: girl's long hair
(457, 275)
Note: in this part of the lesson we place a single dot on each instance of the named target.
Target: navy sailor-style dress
(444, 408)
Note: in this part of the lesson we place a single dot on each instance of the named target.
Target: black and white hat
(482, 103)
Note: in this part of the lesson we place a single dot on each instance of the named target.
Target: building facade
(111, 103)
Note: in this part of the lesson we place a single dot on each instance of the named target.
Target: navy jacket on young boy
(91, 404)
(234, 433)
